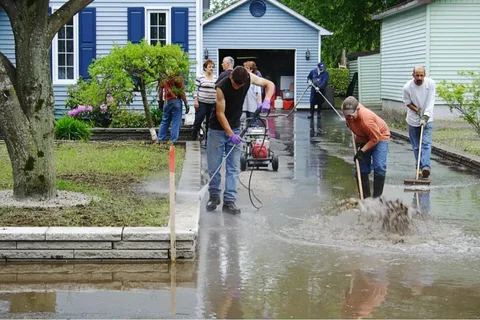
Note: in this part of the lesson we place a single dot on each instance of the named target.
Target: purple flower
(73, 112)
(89, 108)
(103, 107)
(81, 108)
(110, 99)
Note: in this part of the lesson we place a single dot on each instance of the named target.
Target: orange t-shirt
(368, 127)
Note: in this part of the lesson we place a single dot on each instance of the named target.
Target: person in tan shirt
(371, 135)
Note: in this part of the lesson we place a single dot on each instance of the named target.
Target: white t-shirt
(421, 96)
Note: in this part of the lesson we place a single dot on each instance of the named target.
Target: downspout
(199, 35)
(427, 48)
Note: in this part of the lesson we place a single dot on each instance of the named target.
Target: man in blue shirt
(318, 78)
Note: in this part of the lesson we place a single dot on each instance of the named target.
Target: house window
(158, 27)
(65, 53)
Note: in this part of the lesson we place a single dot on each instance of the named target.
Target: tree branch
(10, 69)
(9, 7)
(60, 17)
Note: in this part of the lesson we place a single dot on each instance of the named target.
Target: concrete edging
(468, 160)
(85, 243)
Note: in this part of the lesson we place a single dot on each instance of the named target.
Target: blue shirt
(319, 79)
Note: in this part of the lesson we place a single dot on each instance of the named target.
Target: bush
(340, 79)
(464, 97)
(124, 118)
(157, 114)
(72, 129)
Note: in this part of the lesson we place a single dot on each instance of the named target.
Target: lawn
(113, 173)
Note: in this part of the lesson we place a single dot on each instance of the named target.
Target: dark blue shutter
(88, 40)
(136, 24)
(180, 27)
(51, 61)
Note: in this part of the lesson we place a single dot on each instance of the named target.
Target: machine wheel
(243, 161)
(275, 163)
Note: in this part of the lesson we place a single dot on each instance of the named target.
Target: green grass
(111, 172)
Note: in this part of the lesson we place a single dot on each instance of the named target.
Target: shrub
(124, 118)
(68, 128)
(340, 79)
(157, 114)
(464, 97)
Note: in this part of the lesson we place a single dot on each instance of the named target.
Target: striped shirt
(205, 90)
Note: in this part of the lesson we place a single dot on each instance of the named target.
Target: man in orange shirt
(371, 135)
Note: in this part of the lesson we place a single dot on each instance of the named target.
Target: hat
(349, 105)
(320, 65)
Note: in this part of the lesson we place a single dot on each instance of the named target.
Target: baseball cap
(320, 65)
(349, 106)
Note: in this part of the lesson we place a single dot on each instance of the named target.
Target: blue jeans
(172, 113)
(376, 159)
(217, 144)
(414, 133)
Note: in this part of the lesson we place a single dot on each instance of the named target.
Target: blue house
(94, 30)
(284, 44)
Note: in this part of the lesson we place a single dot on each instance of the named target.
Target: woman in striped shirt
(204, 97)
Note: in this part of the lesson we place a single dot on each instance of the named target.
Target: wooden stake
(173, 252)
(359, 176)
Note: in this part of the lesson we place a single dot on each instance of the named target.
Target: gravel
(63, 199)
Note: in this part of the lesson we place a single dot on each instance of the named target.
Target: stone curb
(103, 243)
(468, 160)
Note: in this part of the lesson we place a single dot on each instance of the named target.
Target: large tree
(26, 94)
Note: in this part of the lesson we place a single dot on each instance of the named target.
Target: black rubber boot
(365, 185)
(212, 203)
(378, 183)
(229, 207)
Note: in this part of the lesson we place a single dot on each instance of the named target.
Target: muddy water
(300, 256)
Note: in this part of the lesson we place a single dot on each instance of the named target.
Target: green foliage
(140, 67)
(156, 113)
(340, 79)
(68, 128)
(463, 97)
(351, 24)
(124, 118)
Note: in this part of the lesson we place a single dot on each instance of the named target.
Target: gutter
(400, 8)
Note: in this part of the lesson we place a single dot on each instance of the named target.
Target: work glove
(424, 120)
(235, 138)
(310, 83)
(265, 106)
(419, 112)
(359, 155)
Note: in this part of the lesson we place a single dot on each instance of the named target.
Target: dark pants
(203, 110)
(316, 99)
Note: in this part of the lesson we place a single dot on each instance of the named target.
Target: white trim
(168, 13)
(400, 8)
(319, 46)
(76, 57)
(322, 31)
(199, 35)
(295, 78)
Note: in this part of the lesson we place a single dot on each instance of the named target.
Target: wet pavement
(294, 258)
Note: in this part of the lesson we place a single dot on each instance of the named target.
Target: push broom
(418, 181)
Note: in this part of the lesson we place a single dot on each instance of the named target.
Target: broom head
(414, 182)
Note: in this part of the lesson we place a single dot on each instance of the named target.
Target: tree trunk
(27, 111)
(148, 115)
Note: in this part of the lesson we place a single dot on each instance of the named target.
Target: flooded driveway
(296, 257)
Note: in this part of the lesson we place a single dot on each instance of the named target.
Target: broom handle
(359, 177)
(419, 151)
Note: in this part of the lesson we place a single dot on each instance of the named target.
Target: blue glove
(235, 138)
(259, 105)
(265, 106)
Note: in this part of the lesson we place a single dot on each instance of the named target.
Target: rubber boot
(365, 185)
(378, 183)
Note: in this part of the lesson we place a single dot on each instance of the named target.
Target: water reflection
(421, 201)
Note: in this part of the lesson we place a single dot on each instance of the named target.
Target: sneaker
(425, 173)
(229, 207)
(212, 204)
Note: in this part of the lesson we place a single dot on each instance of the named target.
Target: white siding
(352, 68)
(277, 29)
(403, 45)
(454, 38)
(369, 79)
